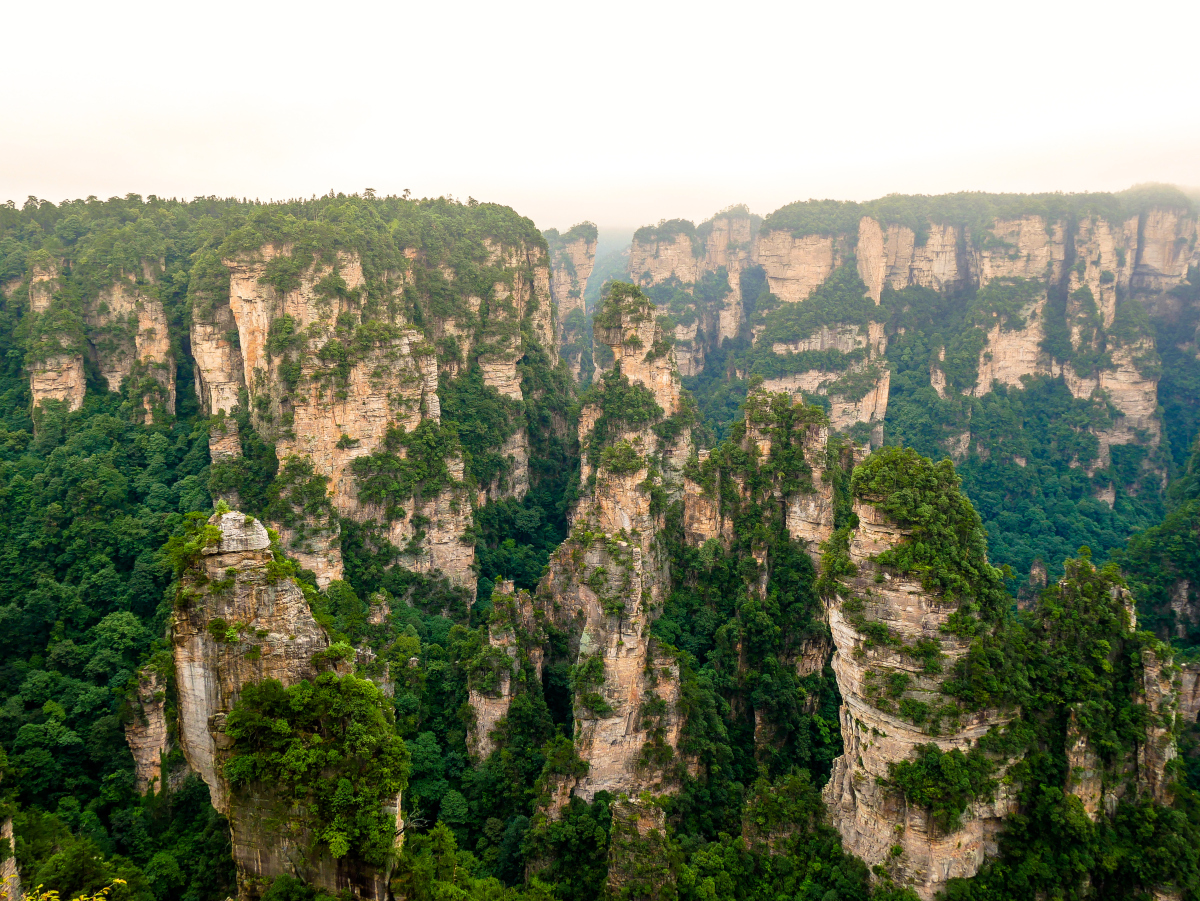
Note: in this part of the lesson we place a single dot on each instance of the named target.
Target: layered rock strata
(236, 624)
(872, 818)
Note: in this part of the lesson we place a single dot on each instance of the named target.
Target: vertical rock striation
(572, 257)
(238, 623)
(146, 733)
(876, 678)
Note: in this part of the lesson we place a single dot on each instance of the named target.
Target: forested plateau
(390, 548)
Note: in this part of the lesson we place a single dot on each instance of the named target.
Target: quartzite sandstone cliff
(237, 623)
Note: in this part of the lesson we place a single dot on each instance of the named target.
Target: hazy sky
(619, 112)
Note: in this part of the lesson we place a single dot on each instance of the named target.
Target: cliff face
(56, 369)
(609, 578)
(128, 337)
(712, 258)
(572, 257)
(871, 817)
(146, 733)
(122, 331)
(515, 632)
(334, 373)
(238, 624)
(607, 581)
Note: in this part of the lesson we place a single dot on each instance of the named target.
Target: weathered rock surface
(331, 421)
(608, 580)
(10, 879)
(604, 586)
(128, 336)
(236, 625)
(725, 243)
(871, 817)
(795, 267)
(146, 733)
(55, 376)
(571, 267)
(515, 631)
(572, 259)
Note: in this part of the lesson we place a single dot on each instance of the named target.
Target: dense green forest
(94, 497)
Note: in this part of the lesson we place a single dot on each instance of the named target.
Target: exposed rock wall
(571, 267)
(795, 267)
(515, 631)
(604, 586)
(10, 879)
(571, 261)
(128, 336)
(609, 578)
(330, 418)
(638, 855)
(724, 242)
(56, 375)
(871, 817)
(235, 625)
(146, 733)
(123, 331)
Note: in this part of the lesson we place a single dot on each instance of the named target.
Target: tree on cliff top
(328, 747)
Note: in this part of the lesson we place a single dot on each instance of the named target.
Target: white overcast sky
(614, 111)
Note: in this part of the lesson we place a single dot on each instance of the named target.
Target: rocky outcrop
(330, 411)
(55, 364)
(658, 258)
(797, 266)
(681, 254)
(872, 818)
(572, 257)
(237, 623)
(1028, 247)
(892, 257)
(607, 581)
(1166, 243)
(123, 332)
(128, 337)
(515, 640)
(1009, 354)
(146, 731)
(10, 879)
(638, 852)
(1158, 749)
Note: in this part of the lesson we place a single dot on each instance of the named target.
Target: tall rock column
(238, 623)
(572, 257)
(882, 623)
(609, 579)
